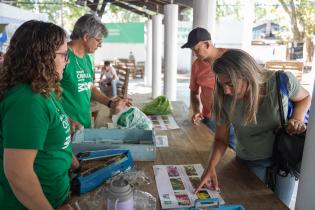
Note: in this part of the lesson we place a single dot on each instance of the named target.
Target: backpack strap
(284, 80)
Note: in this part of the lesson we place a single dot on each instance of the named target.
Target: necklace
(76, 60)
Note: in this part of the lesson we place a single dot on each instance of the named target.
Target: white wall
(110, 51)
(263, 53)
(228, 34)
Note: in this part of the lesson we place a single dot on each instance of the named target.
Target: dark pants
(211, 125)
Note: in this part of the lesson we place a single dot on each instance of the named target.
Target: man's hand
(196, 118)
(119, 105)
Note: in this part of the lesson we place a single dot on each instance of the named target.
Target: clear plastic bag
(143, 200)
(132, 117)
(136, 177)
(95, 201)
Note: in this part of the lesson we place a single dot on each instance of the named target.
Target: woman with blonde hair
(35, 138)
(246, 97)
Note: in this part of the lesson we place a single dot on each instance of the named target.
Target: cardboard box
(141, 143)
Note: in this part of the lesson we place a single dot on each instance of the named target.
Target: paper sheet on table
(163, 122)
(176, 183)
(161, 141)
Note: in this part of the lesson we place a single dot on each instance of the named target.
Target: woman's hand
(209, 179)
(75, 163)
(295, 126)
(74, 125)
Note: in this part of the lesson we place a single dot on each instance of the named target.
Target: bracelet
(109, 104)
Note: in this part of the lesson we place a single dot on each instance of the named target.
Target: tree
(302, 16)
(230, 8)
(57, 11)
(117, 14)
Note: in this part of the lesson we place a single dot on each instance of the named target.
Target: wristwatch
(109, 104)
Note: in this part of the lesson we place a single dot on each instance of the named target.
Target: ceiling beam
(187, 3)
(92, 4)
(131, 9)
(101, 11)
(150, 5)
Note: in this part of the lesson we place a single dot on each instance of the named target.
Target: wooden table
(192, 144)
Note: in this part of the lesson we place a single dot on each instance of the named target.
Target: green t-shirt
(255, 141)
(30, 121)
(77, 83)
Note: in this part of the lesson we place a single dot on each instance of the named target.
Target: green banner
(125, 33)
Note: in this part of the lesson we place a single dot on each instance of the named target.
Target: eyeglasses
(97, 39)
(66, 55)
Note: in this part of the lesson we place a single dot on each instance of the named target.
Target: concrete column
(204, 15)
(157, 55)
(248, 11)
(306, 190)
(170, 52)
(148, 60)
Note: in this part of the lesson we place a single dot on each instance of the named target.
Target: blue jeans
(211, 125)
(284, 185)
(103, 84)
(114, 87)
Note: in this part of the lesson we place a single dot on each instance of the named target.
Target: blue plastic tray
(141, 143)
(87, 182)
(202, 204)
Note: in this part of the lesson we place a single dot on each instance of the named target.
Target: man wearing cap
(202, 79)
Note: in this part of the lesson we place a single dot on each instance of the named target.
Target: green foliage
(228, 8)
(117, 14)
(56, 9)
(302, 16)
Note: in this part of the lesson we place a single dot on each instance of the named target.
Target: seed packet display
(163, 122)
(176, 184)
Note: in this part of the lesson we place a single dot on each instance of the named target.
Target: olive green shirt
(255, 141)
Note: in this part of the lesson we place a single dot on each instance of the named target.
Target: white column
(148, 60)
(204, 15)
(157, 55)
(306, 190)
(248, 11)
(170, 50)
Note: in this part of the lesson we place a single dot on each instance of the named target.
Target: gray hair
(90, 24)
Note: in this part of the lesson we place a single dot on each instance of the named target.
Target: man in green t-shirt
(77, 82)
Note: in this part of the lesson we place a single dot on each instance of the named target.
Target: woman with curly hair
(35, 147)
